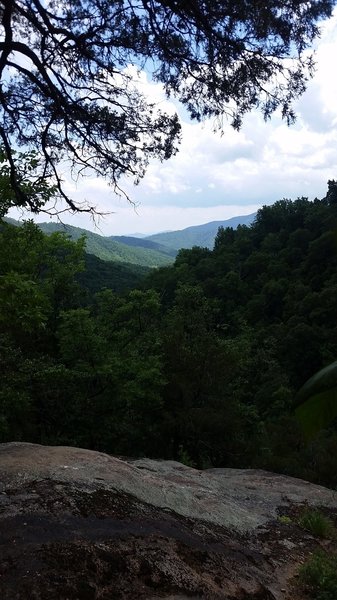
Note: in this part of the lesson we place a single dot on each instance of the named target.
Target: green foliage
(200, 365)
(36, 281)
(119, 277)
(111, 359)
(317, 523)
(23, 304)
(78, 340)
(22, 366)
(270, 292)
(319, 576)
(205, 417)
(24, 189)
(184, 458)
(36, 277)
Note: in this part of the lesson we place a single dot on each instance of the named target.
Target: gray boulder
(77, 524)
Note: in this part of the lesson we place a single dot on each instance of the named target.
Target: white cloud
(217, 176)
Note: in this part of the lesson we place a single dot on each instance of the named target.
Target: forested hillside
(157, 250)
(143, 242)
(117, 276)
(202, 363)
(110, 249)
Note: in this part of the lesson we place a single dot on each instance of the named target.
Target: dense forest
(201, 362)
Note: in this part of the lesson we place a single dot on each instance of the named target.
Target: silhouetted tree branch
(68, 92)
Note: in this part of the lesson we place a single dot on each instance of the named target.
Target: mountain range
(110, 249)
(152, 251)
(198, 235)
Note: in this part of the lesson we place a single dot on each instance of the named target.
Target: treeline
(200, 364)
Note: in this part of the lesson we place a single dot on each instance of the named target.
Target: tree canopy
(202, 363)
(68, 92)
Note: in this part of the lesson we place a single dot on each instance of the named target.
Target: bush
(319, 575)
(317, 523)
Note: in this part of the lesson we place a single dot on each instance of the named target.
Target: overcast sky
(215, 177)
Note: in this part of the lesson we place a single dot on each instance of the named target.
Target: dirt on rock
(81, 525)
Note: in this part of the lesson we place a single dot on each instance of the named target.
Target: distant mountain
(143, 243)
(108, 249)
(12, 221)
(198, 235)
(155, 250)
(138, 235)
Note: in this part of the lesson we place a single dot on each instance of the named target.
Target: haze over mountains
(152, 251)
(198, 235)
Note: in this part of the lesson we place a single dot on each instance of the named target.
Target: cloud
(216, 176)
(314, 112)
(264, 161)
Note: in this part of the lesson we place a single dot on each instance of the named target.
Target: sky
(217, 176)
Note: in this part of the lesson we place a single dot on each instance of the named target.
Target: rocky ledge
(77, 524)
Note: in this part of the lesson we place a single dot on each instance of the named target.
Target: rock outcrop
(77, 524)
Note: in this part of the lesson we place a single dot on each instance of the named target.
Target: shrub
(319, 576)
(317, 523)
